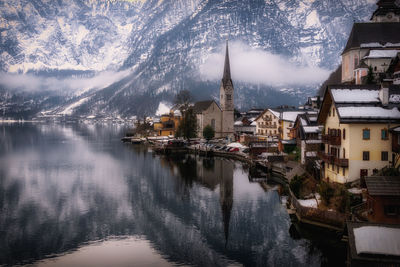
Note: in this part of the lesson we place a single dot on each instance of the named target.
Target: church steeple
(226, 78)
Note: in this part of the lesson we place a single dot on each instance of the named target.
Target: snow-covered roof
(291, 115)
(375, 44)
(310, 203)
(314, 141)
(177, 113)
(303, 122)
(275, 113)
(377, 240)
(254, 123)
(355, 95)
(382, 54)
(253, 119)
(238, 123)
(311, 129)
(368, 113)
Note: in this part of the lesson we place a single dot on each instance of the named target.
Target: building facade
(356, 124)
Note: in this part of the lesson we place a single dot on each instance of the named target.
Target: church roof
(200, 106)
(226, 78)
(374, 34)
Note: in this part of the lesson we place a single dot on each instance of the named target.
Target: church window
(228, 97)
(213, 123)
(222, 96)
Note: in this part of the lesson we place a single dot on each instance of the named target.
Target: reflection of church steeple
(226, 196)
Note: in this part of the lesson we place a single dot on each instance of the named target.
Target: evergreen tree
(370, 76)
(188, 125)
(208, 132)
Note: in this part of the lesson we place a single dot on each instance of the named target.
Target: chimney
(384, 95)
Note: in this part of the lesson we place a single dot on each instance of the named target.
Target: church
(220, 117)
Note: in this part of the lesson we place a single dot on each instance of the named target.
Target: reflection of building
(168, 123)
(219, 117)
(226, 194)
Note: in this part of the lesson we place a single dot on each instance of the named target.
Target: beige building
(356, 122)
(267, 123)
(208, 113)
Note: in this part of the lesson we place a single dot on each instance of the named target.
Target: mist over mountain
(121, 58)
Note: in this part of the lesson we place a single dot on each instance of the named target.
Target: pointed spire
(227, 69)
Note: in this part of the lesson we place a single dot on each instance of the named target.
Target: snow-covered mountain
(86, 57)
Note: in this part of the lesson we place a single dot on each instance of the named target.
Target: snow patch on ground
(70, 109)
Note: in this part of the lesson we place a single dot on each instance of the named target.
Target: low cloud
(34, 83)
(257, 66)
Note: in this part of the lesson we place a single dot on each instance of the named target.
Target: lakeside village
(339, 153)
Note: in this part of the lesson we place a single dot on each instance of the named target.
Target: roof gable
(374, 34)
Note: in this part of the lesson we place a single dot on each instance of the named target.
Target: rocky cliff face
(124, 57)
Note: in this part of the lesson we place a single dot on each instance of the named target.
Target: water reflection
(62, 186)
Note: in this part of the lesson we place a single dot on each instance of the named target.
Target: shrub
(295, 185)
(326, 192)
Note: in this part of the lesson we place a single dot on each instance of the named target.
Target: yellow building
(167, 123)
(356, 122)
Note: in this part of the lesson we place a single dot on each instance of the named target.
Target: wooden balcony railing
(331, 159)
(331, 140)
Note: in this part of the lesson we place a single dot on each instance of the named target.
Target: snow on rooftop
(375, 44)
(238, 123)
(275, 113)
(254, 123)
(377, 240)
(368, 112)
(355, 95)
(311, 129)
(382, 53)
(291, 115)
(303, 122)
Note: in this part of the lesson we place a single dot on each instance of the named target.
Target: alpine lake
(75, 195)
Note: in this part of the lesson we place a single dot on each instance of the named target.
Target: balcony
(341, 162)
(267, 126)
(331, 140)
(331, 159)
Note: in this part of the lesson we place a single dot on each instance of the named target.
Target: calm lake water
(75, 195)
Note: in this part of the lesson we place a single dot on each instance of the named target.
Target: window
(228, 97)
(222, 96)
(333, 112)
(343, 171)
(366, 134)
(337, 169)
(344, 134)
(344, 153)
(384, 156)
(398, 139)
(390, 210)
(213, 124)
(384, 134)
(365, 155)
(329, 113)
